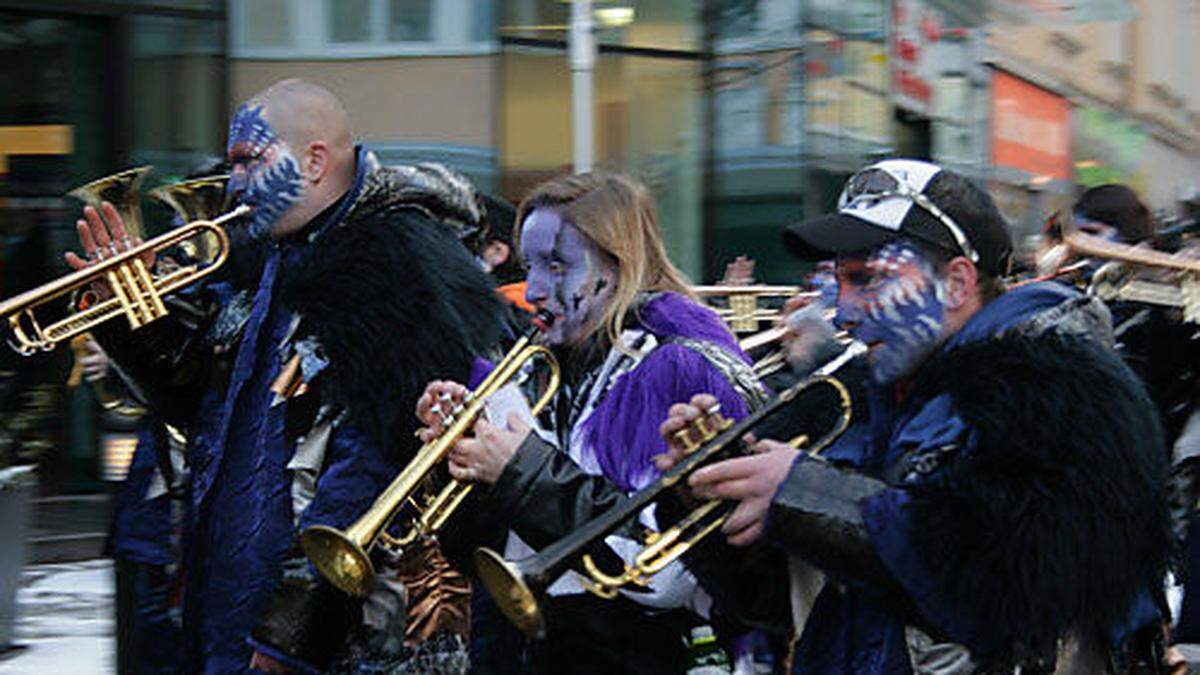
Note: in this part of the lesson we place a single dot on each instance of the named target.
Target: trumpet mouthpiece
(543, 319)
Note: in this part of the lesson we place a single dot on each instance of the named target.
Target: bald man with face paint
(291, 381)
(964, 529)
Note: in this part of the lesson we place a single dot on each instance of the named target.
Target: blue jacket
(376, 297)
(141, 527)
(848, 631)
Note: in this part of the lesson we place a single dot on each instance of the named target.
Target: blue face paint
(894, 302)
(265, 174)
(569, 276)
(823, 280)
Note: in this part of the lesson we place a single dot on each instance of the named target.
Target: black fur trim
(1058, 519)
(396, 301)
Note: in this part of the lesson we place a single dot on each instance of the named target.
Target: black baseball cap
(908, 198)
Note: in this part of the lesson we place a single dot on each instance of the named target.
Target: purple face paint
(569, 276)
(894, 302)
(265, 174)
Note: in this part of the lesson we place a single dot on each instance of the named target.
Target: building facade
(741, 115)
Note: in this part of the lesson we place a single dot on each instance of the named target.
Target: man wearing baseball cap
(1002, 508)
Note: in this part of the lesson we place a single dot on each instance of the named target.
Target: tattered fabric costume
(297, 395)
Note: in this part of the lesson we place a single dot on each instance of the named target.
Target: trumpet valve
(684, 438)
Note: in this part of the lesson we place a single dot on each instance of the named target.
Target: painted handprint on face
(569, 276)
(266, 175)
(894, 302)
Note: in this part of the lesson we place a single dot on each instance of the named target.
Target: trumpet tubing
(343, 557)
(137, 294)
(743, 312)
(517, 585)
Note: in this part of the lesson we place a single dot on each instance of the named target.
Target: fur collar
(395, 301)
(1055, 520)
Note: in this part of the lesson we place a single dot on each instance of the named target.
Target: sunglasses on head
(869, 187)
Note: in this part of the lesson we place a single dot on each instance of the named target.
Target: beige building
(484, 87)
(1132, 84)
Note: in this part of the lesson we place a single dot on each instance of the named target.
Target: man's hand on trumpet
(751, 480)
(102, 235)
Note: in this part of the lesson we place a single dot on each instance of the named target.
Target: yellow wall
(435, 99)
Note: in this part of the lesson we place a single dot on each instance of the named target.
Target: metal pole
(583, 60)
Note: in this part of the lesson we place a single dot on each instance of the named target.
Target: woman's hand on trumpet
(436, 405)
(482, 457)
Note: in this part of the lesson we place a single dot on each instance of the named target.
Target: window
(485, 21)
(349, 20)
(348, 29)
(409, 20)
(266, 23)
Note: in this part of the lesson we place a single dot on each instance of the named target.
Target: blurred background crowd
(741, 115)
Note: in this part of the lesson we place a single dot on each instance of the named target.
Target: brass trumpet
(196, 199)
(344, 557)
(136, 291)
(1134, 274)
(518, 586)
(743, 311)
(123, 190)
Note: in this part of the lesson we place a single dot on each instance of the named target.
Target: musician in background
(1164, 351)
(141, 538)
(293, 388)
(498, 257)
(630, 339)
(1004, 507)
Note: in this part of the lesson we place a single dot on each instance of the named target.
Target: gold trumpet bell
(338, 557)
(505, 582)
(123, 191)
(192, 200)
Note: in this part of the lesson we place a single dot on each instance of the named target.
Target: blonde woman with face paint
(632, 341)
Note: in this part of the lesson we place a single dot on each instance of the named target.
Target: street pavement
(64, 621)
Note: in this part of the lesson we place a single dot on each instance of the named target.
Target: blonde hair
(616, 214)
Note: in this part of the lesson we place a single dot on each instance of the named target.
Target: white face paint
(569, 276)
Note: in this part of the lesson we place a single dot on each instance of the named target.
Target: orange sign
(1031, 129)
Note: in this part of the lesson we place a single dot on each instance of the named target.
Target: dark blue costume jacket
(375, 297)
(1011, 497)
(141, 529)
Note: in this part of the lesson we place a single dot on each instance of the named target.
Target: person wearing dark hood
(1003, 509)
(295, 389)
(147, 508)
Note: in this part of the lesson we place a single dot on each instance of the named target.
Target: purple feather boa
(622, 430)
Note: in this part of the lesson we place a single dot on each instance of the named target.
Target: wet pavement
(64, 620)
